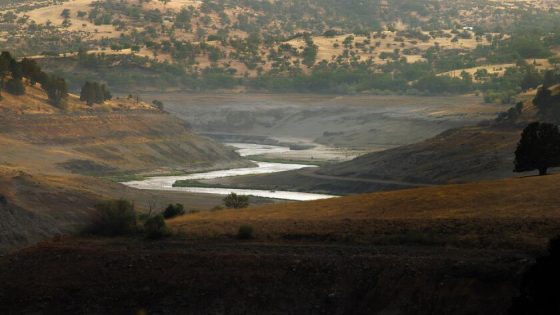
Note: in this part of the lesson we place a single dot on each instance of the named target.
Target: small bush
(15, 87)
(173, 210)
(156, 228)
(113, 217)
(245, 232)
(236, 201)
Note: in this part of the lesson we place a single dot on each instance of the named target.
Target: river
(244, 149)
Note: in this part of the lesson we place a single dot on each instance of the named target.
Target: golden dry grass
(35, 101)
(502, 205)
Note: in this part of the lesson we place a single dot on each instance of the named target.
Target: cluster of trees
(94, 93)
(12, 73)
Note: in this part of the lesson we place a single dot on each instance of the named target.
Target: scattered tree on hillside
(236, 201)
(538, 149)
(158, 104)
(310, 51)
(15, 87)
(56, 89)
(10, 66)
(548, 104)
(94, 93)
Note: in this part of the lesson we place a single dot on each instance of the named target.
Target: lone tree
(538, 149)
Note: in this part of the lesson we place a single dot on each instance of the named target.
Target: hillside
(456, 249)
(52, 159)
(457, 155)
(377, 47)
(517, 213)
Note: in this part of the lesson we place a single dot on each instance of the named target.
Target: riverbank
(181, 183)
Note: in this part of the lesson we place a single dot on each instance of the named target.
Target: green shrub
(245, 232)
(113, 217)
(236, 201)
(173, 210)
(156, 228)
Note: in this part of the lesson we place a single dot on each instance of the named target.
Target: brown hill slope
(455, 249)
(518, 212)
(44, 149)
(121, 135)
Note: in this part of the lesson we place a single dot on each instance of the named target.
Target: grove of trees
(12, 73)
(94, 93)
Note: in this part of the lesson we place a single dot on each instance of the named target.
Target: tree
(94, 93)
(158, 104)
(15, 87)
(113, 217)
(5, 60)
(65, 13)
(538, 149)
(173, 210)
(56, 89)
(236, 201)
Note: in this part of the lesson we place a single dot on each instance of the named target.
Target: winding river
(244, 149)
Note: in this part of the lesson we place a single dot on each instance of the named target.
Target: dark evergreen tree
(538, 149)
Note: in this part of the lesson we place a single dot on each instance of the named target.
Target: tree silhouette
(538, 149)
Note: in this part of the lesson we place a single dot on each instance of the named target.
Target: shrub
(15, 87)
(113, 217)
(156, 228)
(173, 210)
(236, 201)
(245, 232)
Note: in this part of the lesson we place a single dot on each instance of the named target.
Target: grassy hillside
(46, 151)
(465, 154)
(456, 249)
(518, 213)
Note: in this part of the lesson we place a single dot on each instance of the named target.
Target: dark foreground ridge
(101, 276)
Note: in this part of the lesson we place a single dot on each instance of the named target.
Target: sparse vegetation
(112, 218)
(156, 228)
(173, 210)
(236, 201)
